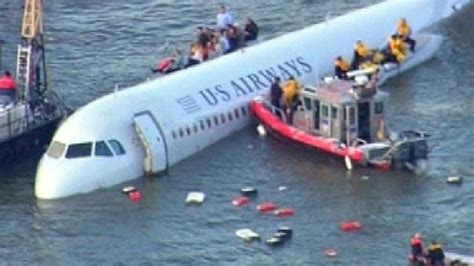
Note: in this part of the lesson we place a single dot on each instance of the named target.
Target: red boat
(346, 119)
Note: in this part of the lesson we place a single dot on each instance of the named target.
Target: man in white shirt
(223, 18)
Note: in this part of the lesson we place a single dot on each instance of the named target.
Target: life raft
(266, 207)
(284, 212)
(240, 201)
(350, 226)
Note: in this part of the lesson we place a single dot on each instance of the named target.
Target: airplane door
(152, 140)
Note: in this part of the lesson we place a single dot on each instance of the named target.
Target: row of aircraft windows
(208, 122)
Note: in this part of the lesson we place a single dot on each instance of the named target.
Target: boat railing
(23, 116)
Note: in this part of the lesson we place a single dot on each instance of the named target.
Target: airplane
(149, 127)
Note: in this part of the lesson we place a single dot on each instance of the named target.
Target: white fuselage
(196, 107)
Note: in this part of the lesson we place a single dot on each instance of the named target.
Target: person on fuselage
(8, 86)
(250, 30)
(396, 47)
(223, 18)
(341, 67)
(361, 54)
(435, 254)
(404, 32)
(275, 93)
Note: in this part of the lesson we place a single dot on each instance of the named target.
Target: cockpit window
(56, 150)
(101, 149)
(117, 147)
(79, 150)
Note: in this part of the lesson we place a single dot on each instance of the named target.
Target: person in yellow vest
(341, 67)
(290, 90)
(396, 48)
(361, 54)
(290, 96)
(404, 32)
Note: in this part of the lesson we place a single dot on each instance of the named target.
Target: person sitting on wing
(361, 54)
(396, 48)
(341, 67)
(404, 32)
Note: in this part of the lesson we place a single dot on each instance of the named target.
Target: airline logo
(245, 85)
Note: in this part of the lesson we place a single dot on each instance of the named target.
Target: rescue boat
(346, 119)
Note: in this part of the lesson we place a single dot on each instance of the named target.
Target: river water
(94, 45)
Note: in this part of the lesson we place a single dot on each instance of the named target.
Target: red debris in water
(350, 226)
(284, 212)
(266, 207)
(240, 201)
(135, 196)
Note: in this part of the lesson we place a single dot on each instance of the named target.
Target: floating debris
(261, 131)
(282, 188)
(350, 226)
(249, 191)
(129, 189)
(330, 253)
(266, 207)
(365, 177)
(195, 197)
(247, 234)
(284, 212)
(457, 180)
(240, 201)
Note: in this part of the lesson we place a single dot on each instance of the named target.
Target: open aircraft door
(152, 140)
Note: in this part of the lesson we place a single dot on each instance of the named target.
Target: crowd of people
(364, 58)
(432, 256)
(225, 37)
(7, 88)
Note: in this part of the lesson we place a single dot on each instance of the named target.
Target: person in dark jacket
(250, 30)
(275, 93)
(436, 254)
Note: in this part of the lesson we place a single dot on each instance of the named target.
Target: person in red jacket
(7, 86)
(416, 244)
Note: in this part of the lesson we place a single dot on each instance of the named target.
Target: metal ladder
(23, 70)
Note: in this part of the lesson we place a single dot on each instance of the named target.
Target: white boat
(149, 127)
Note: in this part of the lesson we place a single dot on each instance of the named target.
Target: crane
(31, 61)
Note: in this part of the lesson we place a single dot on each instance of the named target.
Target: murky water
(94, 45)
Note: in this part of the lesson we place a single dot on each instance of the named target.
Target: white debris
(247, 234)
(282, 188)
(261, 130)
(195, 197)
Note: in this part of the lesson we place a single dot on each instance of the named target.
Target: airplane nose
(48, 181)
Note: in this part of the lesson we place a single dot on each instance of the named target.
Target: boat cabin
(344, 110)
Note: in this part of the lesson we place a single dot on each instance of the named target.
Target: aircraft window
(209, 123)
(223, 118)
(79, 150)
(56, 150)
(195, 128)
(181, 132)
(117, 147)
(229, 116)
(101, 149)
(173, 133)
(324, 111)
(188, 130)
(203, 127)
(237, 114)
(216, 120)
(352, 117)
(307, 103)
(244, 111)
(378, 108)
(333, 112)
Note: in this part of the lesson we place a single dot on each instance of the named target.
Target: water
(94, 45)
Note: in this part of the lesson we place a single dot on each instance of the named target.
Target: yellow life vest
(289, 91)
(362, 50)
(403, 30)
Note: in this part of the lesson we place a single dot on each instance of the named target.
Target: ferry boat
(28, 120)
(344, 118)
